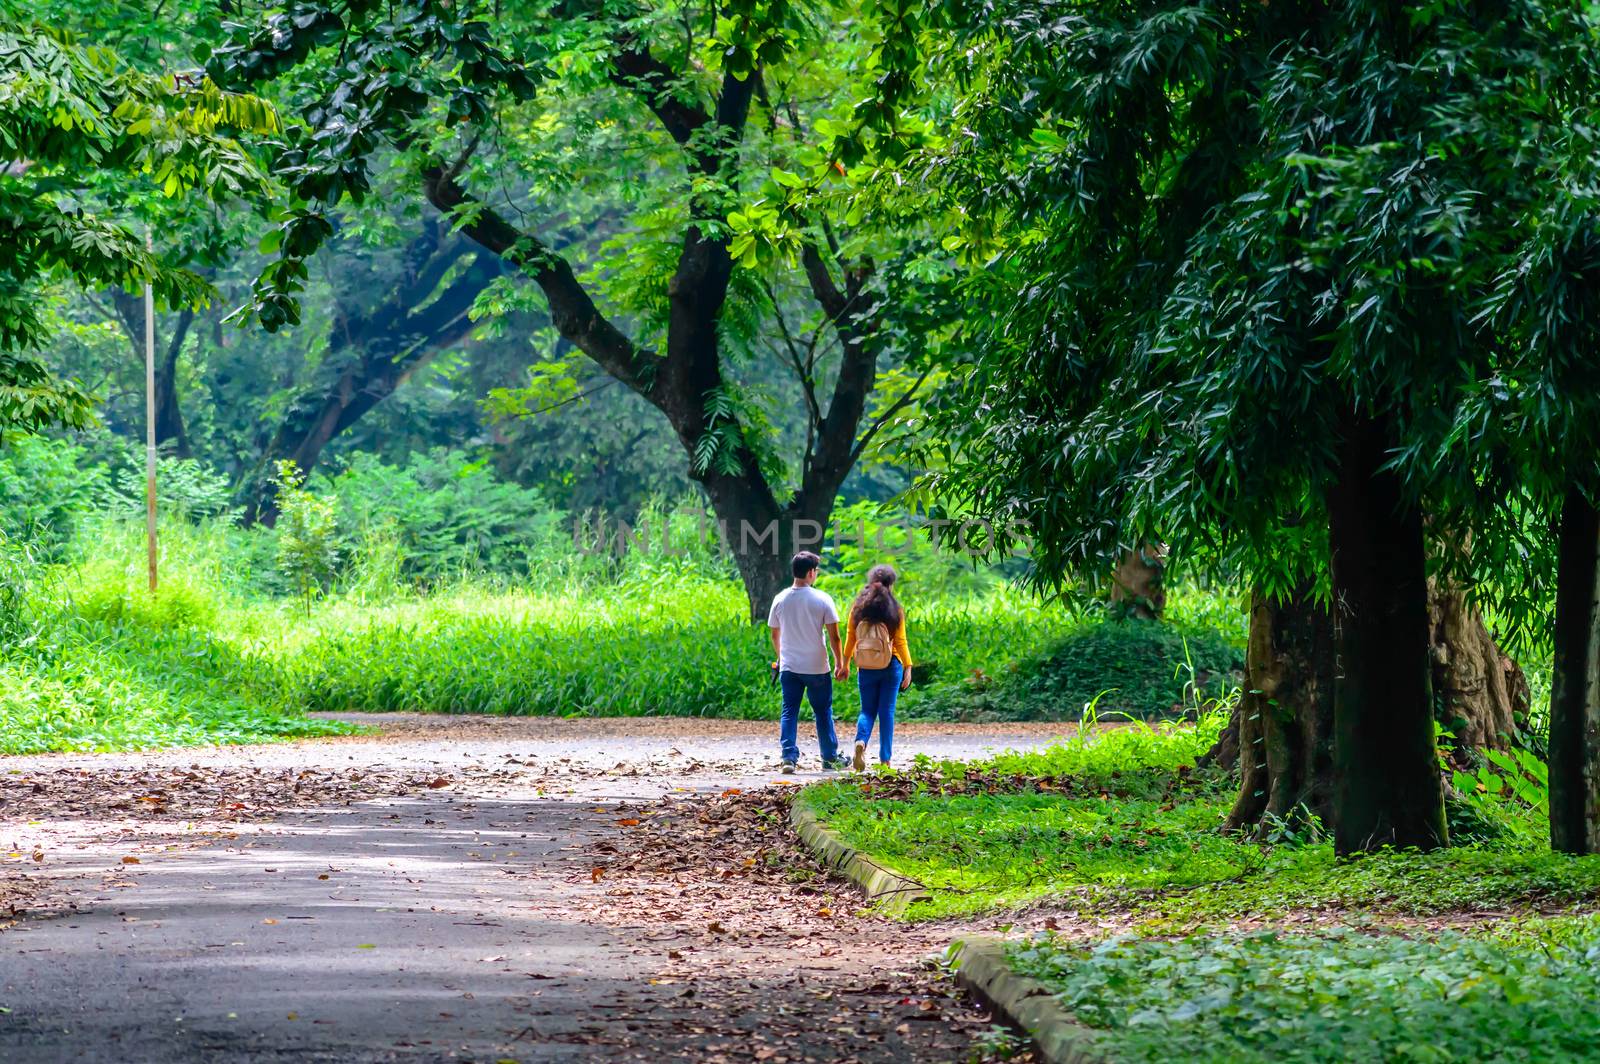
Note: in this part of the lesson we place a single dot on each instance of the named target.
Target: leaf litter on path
(746, 949)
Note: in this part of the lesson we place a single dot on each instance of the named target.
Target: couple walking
(875, 639)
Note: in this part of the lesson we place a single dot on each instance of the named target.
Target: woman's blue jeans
(879, 690)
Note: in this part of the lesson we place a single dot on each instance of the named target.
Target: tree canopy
(1262, 281)
(496, 120)
(75, 116)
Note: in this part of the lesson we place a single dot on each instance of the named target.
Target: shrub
(440, 516)
(308, 540)
(43, 494)
(1140, 669)
(184, 488)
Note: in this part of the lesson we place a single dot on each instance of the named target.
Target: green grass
(90, 686)
(1333, 996)
(224, 655)
(1111, 823)
(636, 648)
(96, 663)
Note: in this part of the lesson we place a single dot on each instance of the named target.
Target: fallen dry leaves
(210, 793)
(779, 961)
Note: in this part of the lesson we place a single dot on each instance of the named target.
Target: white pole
(150, 425)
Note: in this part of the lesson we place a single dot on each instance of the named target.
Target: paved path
(439, 892)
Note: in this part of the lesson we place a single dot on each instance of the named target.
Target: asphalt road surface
(444, 891)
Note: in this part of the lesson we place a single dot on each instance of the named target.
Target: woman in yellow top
(876, 642)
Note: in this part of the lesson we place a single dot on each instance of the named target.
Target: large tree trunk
(1387, 789)
(1138, 582)
(1482, 695)
(1575, 683)
(1281, 733)
(763, 537)
(1284, 720)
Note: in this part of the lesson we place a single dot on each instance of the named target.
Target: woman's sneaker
(788, 768)
(859, 763)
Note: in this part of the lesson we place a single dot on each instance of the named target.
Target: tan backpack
(874, 646)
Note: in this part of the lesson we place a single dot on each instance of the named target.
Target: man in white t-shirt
(799, 618)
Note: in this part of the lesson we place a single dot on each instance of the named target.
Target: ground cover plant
(1176, 940)
(1121, 821)
(1333, 995)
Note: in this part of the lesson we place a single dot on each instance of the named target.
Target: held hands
(841, 671)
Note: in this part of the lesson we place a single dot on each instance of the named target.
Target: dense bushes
(43, 495)
(440, 517)
(1133, 668)
(439, 588)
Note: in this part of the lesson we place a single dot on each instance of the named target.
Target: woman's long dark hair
(877, 603)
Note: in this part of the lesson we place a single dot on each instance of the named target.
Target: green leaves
(75, 116)
(308, 534)
(1203, 233)
(400, 72)
(1330, 996)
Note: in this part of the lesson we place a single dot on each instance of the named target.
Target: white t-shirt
(799, 614)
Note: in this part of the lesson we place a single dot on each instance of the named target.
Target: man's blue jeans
(818, 689)
(879, 690)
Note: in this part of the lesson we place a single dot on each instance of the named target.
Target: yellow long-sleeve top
(897, 639)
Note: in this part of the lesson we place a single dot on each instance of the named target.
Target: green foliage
(16, 586)
(438, 516)
(184, 488)
(308, 534)
(635, 259)
(43, 494)
(1515, 777)
(867, 533)
(1117, 822)
(1134, 668)
(74, 115)
(1335, 996)
(1214, 238)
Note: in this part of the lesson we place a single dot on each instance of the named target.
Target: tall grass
(220, 654)
(454, 592)
(633, 648)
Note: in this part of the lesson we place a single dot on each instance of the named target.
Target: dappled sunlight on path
(452, 890)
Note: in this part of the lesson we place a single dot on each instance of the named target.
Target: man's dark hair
(803, 563)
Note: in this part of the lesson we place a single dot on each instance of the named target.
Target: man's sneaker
(860, 761)
(788, 768)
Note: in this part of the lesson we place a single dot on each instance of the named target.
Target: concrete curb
(1026, 1003)
(890, 892)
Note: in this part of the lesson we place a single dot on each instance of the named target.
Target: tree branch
(572, 310)
(858, 367)
(802, 366)
(636, 70)
(884, 418)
